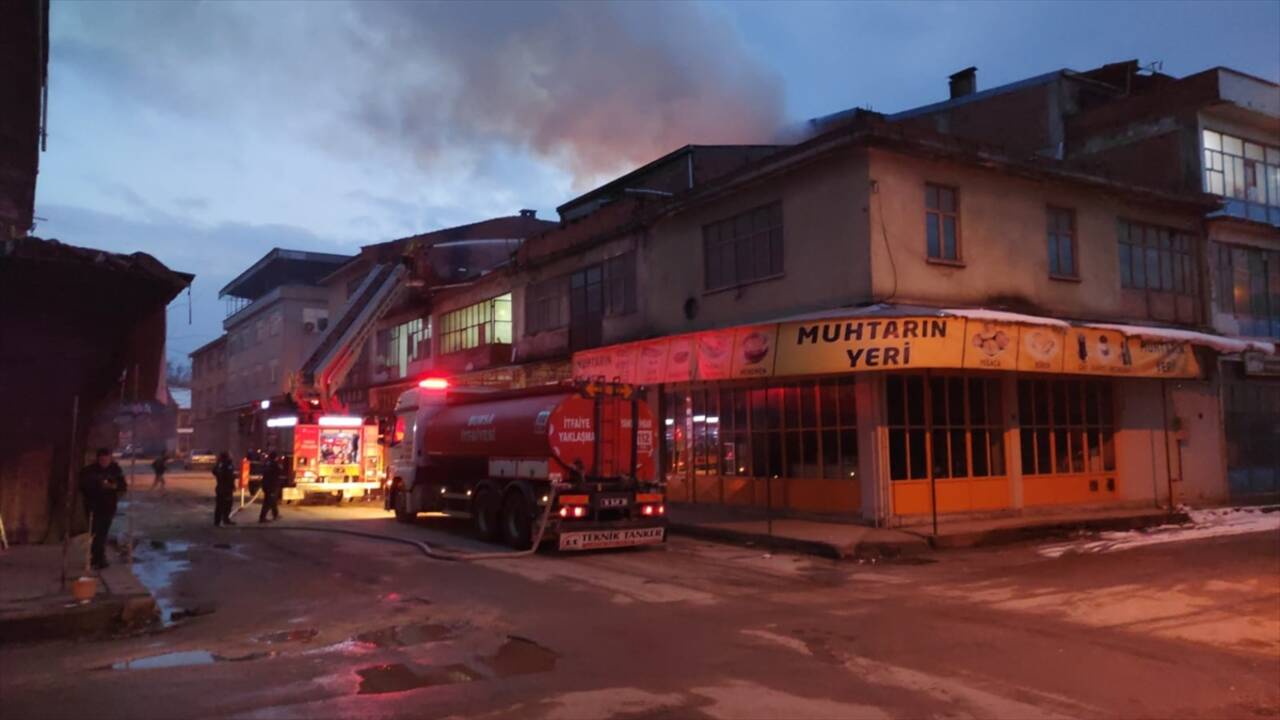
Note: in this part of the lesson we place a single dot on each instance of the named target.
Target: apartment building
(276, 314)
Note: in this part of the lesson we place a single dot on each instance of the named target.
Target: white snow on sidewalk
(1218, 522)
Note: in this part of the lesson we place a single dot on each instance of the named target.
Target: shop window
(801, 430)
(944, 427)
(1067, 427)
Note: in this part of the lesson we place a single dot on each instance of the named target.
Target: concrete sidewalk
(826, 539)
(34, 605)
(841, 540)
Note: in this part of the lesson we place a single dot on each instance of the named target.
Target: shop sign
(885, 343)
(715, 355)
(862, 344)
(753, 351)
(1261, 365)
(991, 345)
(1040, 348)
(680, 359)
(1109, 352)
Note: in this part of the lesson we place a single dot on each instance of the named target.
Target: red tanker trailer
(500, 458)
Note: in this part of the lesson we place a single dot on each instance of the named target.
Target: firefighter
(101, 483)
(272, 483)
(158, 467)
(224, 475)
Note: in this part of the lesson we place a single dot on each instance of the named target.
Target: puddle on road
(155, 566)
(167, 660)
(517, 656)
(399, 677)
(284, 636)
(182, 658)
(521, 656)
(406, 635)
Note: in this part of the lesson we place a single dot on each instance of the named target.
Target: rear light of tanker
(649, 510)
(575, 511)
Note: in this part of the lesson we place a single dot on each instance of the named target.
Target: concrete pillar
(873, 461)
(1012, 438)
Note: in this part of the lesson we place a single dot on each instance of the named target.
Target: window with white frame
(1245, 173)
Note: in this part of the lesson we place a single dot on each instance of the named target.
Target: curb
(1051, 530)
(67, 620)
(797, 545)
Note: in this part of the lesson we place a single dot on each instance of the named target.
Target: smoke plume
(595, 87)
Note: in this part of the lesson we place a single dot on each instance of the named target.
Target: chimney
(528, 213)
(964, 82)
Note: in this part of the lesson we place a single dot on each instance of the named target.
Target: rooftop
(282, 267)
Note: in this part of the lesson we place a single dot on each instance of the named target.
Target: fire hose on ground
(424, 547)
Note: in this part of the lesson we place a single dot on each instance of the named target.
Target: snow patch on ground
(1218, 522)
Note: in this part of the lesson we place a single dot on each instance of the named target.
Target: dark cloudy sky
(206, 133)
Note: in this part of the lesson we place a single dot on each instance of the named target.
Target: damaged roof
(139, 265)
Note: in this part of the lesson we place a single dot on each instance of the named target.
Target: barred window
(487, 322)
(744, 248)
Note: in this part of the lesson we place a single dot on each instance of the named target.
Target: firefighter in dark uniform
(224, 475)
(272, 484)
(101, 483)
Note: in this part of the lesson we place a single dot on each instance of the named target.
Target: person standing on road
(224, 475)
(272, 482)
(159, 465)
(101, 483)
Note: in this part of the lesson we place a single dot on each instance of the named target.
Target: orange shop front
(884, 417)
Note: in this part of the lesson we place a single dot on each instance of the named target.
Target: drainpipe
(1164, 414)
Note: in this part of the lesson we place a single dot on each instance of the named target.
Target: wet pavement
(271, 623)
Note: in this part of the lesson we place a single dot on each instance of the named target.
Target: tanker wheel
(517, 525)
(399, 503)
(487, 513)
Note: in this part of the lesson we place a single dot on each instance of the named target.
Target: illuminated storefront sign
(887, 343)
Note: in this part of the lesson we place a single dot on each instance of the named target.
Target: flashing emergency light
(340, 421)
(282, 422)
(434, 383)
(264, 404)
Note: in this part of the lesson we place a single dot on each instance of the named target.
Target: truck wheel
(517, 526)
(399, 503)
(486, 513)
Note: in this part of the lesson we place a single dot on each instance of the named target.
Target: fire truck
(332, 455)
(582, 456)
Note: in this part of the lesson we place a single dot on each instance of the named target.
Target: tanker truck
(582, 456)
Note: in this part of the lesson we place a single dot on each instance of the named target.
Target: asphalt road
(269, 622)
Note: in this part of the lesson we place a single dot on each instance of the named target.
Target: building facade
(277, 313)
(211, 429)
(1216, 131)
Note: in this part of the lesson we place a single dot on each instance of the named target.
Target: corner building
(882, 324)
